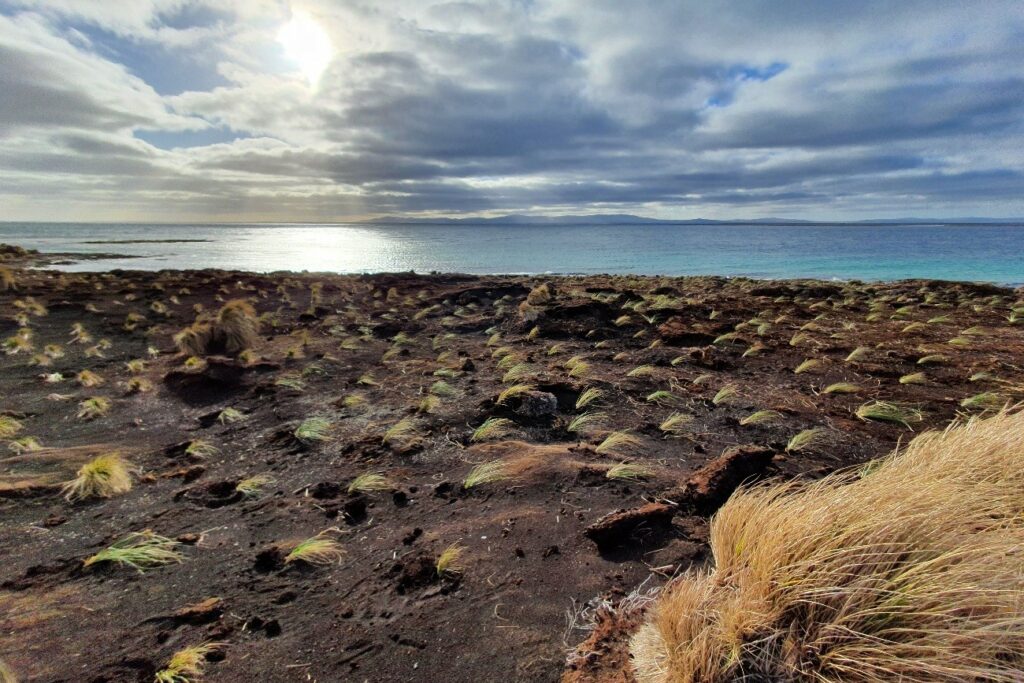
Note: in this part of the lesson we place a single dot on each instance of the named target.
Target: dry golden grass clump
(187, 665)
(235, 329)
(907, 571)
(104, 476)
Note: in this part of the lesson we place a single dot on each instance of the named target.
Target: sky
(335, 110)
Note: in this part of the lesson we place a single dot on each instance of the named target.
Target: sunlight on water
(978, 252)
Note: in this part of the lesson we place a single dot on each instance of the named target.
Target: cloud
(830, 110)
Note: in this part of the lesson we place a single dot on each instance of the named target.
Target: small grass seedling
(842, 388)
(442, 389)
(449, 562)
(370, 481)
(676, 424)
(762, 417)
(9, 426)
(807, 366)
(514, 391)
(517, 372)
(641, 371)
(402, 431)
(200, 448)
(588, 421)
(141, 551)
(665, 398)
(808, 438)
(316, 551)
(580, 370)
(883, 411)
(187, 665)
(625, 471)
(493, 428)
(25, 444)
(314, 430)
(588, 396)
(88, 379)
(859, 353)
(251, 487)
(487, 473)
(291, 381)
(230, 416)
(985, 401)
(726, 395)
(620, 443)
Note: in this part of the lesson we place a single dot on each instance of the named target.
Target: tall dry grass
(910, 570)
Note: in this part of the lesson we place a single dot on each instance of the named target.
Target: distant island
(630, 219)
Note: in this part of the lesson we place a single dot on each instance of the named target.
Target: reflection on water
(980, 252)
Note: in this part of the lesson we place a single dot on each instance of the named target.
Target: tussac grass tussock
(104, 476)
(235, 329)
(909, 573)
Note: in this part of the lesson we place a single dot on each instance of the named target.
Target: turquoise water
(869, 252)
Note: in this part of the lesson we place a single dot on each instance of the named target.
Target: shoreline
(46, 260)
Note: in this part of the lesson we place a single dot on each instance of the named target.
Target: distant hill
(629, 219)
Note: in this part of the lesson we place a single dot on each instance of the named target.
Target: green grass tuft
(493, 428)
(726, 395)
(187, 665)
(317, 551)
(762, 417)
(883, 411)
(629, 472)
(588, 396)
(314, 430)
(808, 438)
(93, 408)
(370, 481)
(985, 401)
(487, 473)
(621, 444)
(140, 551)
(449, 562)
(842, 388)
(251, 487)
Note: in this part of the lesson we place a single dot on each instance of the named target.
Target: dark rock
(711, 485)
(534, 404)
(414, 572)
(617, 527)
(325, 490)
(269, 559)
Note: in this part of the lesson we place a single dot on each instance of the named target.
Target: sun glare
(307, 45)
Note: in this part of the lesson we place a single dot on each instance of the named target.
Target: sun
(307, 45)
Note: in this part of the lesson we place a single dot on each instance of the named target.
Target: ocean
(980, 252)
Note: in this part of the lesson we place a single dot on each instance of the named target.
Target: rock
(617, 527)
(711, 485)
(537, 404)
(414, 572)
(201, 612)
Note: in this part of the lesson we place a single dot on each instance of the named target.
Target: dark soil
(383, 613)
